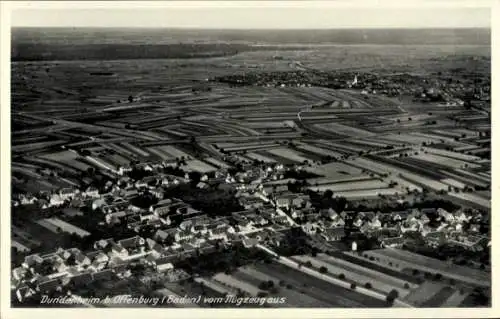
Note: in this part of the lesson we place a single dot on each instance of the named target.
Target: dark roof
(82, 279)
(32, 259)
(335, 232)
(130, 242)
(165, 259)
(106, 274)
(49, 285)
(393, 240)
(429, 211)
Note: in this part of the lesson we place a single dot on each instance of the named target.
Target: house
(358, 222)
(98, 259)
(182, 235)
(461, 217)
(309, 228)
(329, 213)
(393, 242)
(220, 232)
(375, 223)
(141, 184)
(24, 292)
(32, 261)
(333, 234)
(67, 193)
(156, 192)
(429, 212)
(117, 251)
(299, 201)
(163, 264)
(259, 220)
(163, 234)
(133, 245)
(297, 213)
(250, 242)
(81, 279)
(187, 250)
(46, 285)
(91, 192)
(202, 185)
(75, 255)
(471, 242)
(56, 200)
(145, 215)
(282, 220)
(448, 217)
(103, 275)
(435, 238)
(115, 218)
(251, 202)
(19, 273)
(424, 218)
(368, 216)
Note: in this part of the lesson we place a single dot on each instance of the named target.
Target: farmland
(252, 142)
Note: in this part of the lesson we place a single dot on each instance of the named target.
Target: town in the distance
(300, 176)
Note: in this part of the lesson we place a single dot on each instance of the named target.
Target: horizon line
(250, 29)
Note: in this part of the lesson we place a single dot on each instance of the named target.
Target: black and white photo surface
(267, 156)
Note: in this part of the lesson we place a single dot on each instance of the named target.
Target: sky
(256, 17)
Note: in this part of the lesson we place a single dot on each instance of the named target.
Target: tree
(308, 264)
(323, 270)
(368, 285)
(394, 293)
(130, 99)
(407, 286)
(341, 276)
(353, 286)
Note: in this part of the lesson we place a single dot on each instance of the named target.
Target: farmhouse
(333, 234)
(393, 242)
(56, 225)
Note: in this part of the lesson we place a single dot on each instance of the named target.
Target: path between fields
(293, 264)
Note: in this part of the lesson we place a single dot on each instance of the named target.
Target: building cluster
(442, 89)
(170, 229)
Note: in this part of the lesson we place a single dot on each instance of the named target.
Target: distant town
(186, 178)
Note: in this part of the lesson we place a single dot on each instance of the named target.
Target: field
(429, 294)
(359, 275)
(377, 117)
(289, 154)
(54, 224)
(318, 289)
(404, 259)
(351, 186)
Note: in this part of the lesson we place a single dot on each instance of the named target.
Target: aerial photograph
(202, 158)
